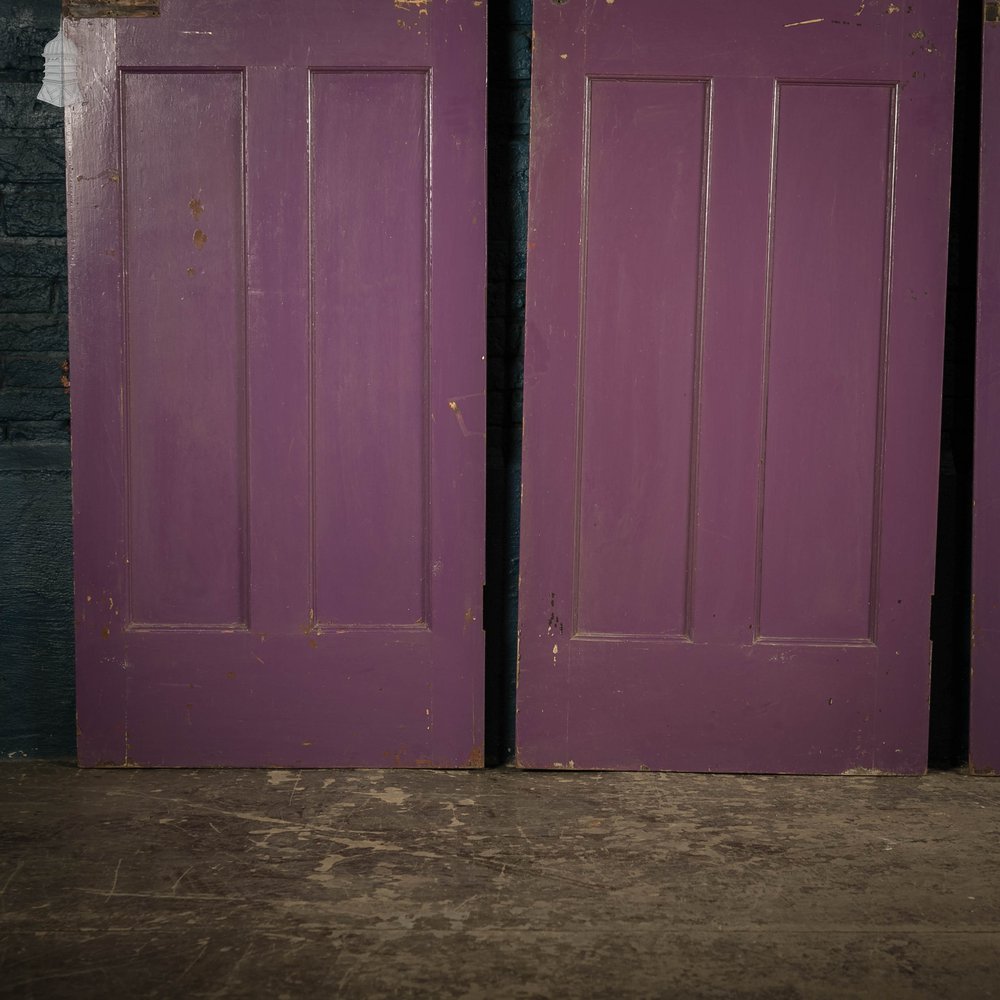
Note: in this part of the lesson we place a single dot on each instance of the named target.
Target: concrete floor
(502, 883)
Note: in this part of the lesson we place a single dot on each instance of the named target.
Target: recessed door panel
(370, 206)
(185, 348)
(828, 285)
(643, 231)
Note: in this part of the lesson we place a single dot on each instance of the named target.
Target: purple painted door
(984, 713)
(737, 252)
(277, 273)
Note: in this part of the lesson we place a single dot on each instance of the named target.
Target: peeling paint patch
(554, 624)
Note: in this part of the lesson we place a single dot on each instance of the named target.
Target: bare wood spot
(199, 239)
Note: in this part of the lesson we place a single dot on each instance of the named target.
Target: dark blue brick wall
(36, 611)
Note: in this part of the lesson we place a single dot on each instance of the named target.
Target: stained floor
(288, 884)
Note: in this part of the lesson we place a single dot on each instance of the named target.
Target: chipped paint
(199, 239)
(454, 407)
(554, 624)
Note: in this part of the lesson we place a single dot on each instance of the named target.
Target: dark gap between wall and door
(951, 620)
(508, 99)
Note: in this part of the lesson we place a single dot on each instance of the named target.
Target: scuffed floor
(494, 884)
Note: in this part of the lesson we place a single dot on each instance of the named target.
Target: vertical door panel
(984, 714)
(273, 318)
(650, 285)
(185, 333)
(824, 347)
(370, 201)
(737, 243)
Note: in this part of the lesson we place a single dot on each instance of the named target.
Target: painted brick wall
(36, 614)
